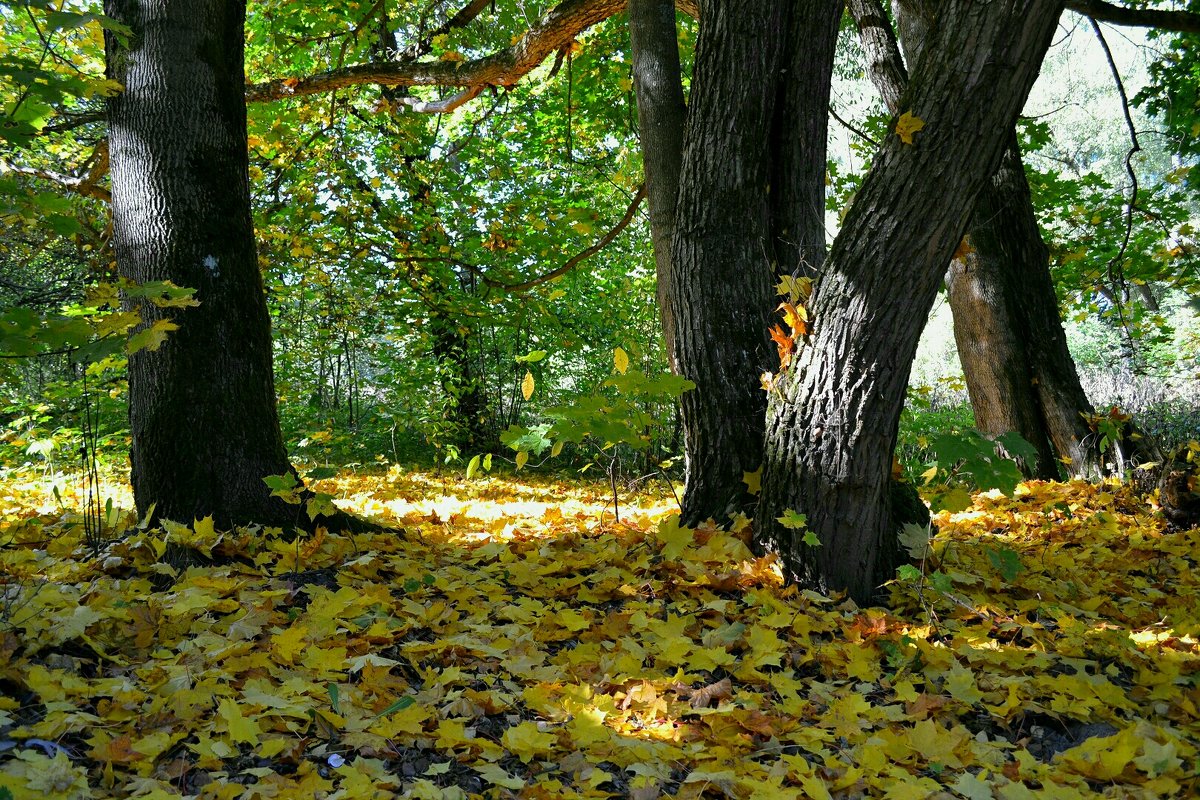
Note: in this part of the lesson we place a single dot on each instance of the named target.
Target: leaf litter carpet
(519, 642)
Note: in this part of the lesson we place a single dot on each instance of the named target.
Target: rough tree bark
(202, 406)
(1020, 374)
(662, 114)
(833, 416)
(720, 257)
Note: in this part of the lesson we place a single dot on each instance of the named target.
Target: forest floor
(517, 641)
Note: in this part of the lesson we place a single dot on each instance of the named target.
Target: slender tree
(662, 113)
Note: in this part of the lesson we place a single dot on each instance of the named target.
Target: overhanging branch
(579, 257)
(1178, 21)
(555, 31)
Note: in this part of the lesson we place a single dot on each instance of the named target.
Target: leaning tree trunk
(662, 114)
(1019, 372)
(202, 406)
(720, 256)
(833, 416)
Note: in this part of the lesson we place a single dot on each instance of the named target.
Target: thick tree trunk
(662, 114)
(721, 254)
(833, 416)
(986, 288)
(202, 406)
(1019, 372)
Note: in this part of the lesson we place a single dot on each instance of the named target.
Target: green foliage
(1006, 562)
(967, 459)
(618, 413)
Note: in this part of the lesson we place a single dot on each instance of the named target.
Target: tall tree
(750, 207)
(202, 405)
(833, 414)
(1019, 372)
(662, 113)
(720, 255)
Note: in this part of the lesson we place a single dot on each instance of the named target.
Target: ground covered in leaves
(517, 641)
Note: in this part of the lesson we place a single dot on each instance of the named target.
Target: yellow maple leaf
(1103, 758)
(936, 744)
(204, 527)
(674, 537)
(150, 338)
(960, 684)
(495, 775)
(907, 125)
(587, 726)
(289, 643)
(525, 741)
(236, 726)
(753, 481)
(1158, 759)
(572, 620)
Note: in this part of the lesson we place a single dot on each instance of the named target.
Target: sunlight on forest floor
(517, 642)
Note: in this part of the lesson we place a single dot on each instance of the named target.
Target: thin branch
(579, 257)
(444, 106)
(464, 16)
(1115, 269)
(85, 186)
(1178, 21)
(69, 121)
(853, 129)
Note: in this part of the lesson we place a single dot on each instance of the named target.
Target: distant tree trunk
(662, 115)
(833, 416)
(721, 254)
(467, 407)
(202, 406)
(1021, 377)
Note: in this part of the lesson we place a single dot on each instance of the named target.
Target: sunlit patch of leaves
(516, 642)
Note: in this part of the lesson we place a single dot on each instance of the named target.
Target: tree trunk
(721, 254)
(1019, 372)
(662, 115)
(799, 138)
(202, 406)
(833, 416)
(985, 290)
(467, 412)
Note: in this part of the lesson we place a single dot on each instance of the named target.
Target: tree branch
(464, 16)
(86, 186)
(575, 260)
(556, 30)
(1178, 21)
(884, 62)
(444, 106)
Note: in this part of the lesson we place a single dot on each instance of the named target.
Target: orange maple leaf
(785, 344)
